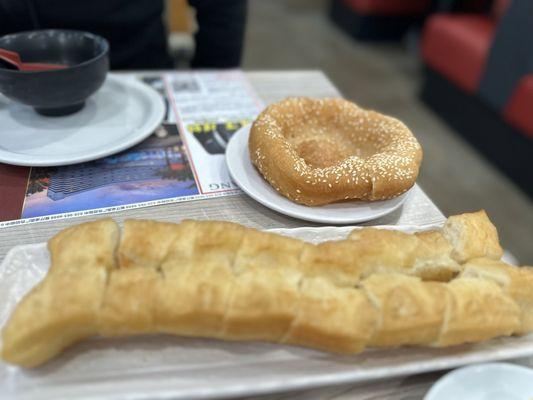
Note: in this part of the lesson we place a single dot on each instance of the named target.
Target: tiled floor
(296, 34)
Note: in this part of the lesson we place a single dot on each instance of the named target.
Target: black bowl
(62, 91)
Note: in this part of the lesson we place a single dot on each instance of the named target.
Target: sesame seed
(360, 148)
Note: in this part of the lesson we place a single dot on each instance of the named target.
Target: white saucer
(491, 381)
(121, 114)
(252, 183)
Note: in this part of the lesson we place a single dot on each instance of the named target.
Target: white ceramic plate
(493, 381)
(166, 367)
(252, 183)
(121, 114)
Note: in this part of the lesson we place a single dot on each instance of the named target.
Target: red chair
(455, 48)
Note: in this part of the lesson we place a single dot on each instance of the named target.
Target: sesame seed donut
(320, 151)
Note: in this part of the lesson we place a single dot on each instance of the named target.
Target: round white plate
(492, 381)
(121, 114)
(252, 183)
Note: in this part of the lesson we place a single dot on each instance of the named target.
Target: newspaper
(182, 160)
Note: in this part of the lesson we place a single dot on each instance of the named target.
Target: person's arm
(220, 36)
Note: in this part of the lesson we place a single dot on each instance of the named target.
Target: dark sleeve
(134, 29)
(220, 36)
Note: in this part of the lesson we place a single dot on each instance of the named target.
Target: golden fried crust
(335, 319)
(337, 261)
(268, 250)
(263, 296)
(64, 307)
(60, 311)
(145, 243)
(410, 311)
(262, 304)
(192, 299)
(517, 282)
(319, 151)
(384, 249)
(434, 261)
(128, 305)
(478, 310)
(472, 235)
(223, 280)
(430, 255)
(198, 274)
(425, 255)
(216, 240)
(91, 244)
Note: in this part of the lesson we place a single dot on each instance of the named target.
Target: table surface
(270, 86)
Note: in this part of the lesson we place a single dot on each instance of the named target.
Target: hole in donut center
(324, 147)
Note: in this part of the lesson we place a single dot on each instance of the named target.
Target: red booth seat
(519, 109)
(457, 45)
(388, 7)
(456, 49)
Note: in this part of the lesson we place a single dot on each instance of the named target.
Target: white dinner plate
(493, 381)
(121, 114)
(167, 367)
(252, 183)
